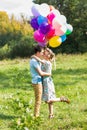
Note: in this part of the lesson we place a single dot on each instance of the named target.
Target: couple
(40, 68)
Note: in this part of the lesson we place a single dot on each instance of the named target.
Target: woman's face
(46, 54)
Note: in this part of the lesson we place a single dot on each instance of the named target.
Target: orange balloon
(51, 7)
(55, 41)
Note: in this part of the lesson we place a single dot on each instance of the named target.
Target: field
(17, 97)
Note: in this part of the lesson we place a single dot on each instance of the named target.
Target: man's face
(41, 53)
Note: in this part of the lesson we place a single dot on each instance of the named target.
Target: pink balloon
(56, 23)
(50, 33)
(50, 17)
(59, 32)
(39, 37)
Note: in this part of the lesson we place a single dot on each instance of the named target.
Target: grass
(17, 97)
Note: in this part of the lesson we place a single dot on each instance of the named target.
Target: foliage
(17, 97)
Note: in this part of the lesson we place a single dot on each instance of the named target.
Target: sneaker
(64, 99)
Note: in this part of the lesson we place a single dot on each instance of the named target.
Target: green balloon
(68, 32)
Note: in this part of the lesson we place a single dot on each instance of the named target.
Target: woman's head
(49, 53)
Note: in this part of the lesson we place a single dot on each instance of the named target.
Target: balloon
(56, 24)
(50, 16)
(51, 7)
(55, 41)
(35, 10)
(34, 23)
(43, 44)
(63, 38)
(50, 33)
(63, 18)
(60, 31)
(56, 12)
(39, 37)
(68, 32)
(41, 19)
(69, 29)
(69, 26)
(44, 9)
(44, 28)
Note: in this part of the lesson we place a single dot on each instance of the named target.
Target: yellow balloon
(55, 41)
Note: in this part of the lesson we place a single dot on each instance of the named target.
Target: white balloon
(63, 19)
(69, 27)
(44, 9)
(63, 28)
(56, 12)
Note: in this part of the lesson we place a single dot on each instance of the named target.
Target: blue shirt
(36, 78)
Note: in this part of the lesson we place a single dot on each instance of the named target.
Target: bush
(4, 52)
(22, 48)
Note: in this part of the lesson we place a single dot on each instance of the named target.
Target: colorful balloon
(34, 23)
(44, 28)
(39, 37)
(51, 33)
(55, 41)
(63, 38)
(43, 44)
(35, 10)
(50, 17)
(41, 19)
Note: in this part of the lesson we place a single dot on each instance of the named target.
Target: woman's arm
(37, 58)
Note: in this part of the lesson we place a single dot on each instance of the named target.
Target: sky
(17, 7)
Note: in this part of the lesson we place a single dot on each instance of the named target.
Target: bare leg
(50, 105)
(61, 99)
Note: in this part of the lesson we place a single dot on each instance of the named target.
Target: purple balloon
(45, 28)
(34, 23)
(42, 44)
(35, 10)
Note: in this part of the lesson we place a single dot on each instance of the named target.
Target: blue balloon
(41, 19)
(63, 38)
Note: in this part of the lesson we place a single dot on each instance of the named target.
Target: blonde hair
(52, 56)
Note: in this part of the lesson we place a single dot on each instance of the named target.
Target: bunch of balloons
(50, 27)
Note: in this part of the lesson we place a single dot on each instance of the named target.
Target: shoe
(64, 99)
(51, 116)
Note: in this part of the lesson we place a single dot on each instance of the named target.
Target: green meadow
(17, 97)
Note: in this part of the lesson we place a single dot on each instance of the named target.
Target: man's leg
(38, 97)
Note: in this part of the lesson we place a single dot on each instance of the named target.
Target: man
(37, 73)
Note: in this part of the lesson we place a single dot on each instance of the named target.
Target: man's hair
(37, 48)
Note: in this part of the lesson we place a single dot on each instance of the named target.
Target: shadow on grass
(70, 76)
(6, 117)
(20, 79)
(71, 71)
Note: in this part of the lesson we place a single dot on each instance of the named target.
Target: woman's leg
(50, 105)
(38, 97)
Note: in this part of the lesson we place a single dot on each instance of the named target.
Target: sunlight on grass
(17, 97)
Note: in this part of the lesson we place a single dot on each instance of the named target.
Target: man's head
(38, 50)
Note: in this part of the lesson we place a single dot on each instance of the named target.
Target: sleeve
(35, 63)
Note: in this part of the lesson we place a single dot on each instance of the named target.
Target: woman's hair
(52, 55)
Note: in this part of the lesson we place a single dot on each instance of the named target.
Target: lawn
(17, 97)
